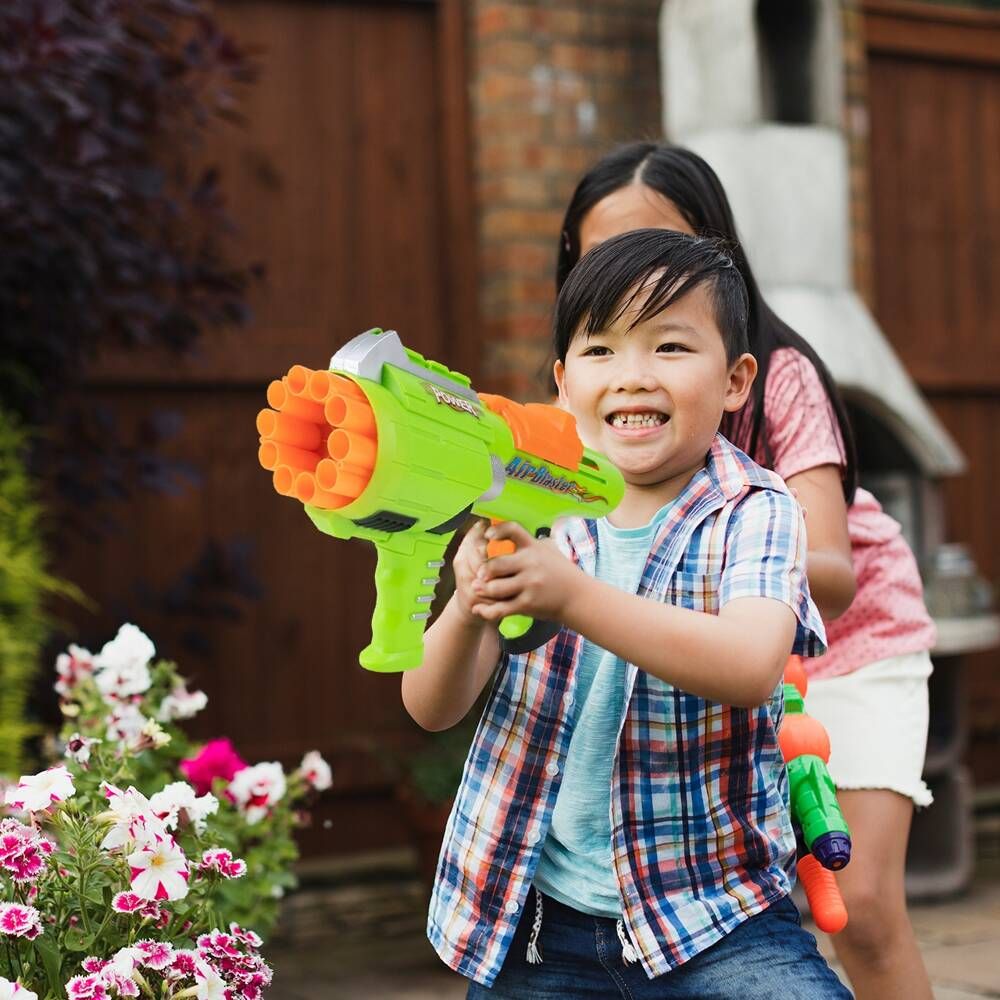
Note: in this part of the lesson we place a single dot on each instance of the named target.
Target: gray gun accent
(499, 480)
(367, 352)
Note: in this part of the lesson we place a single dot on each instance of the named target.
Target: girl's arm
(735, 657)
(828, 566)
(461, 650)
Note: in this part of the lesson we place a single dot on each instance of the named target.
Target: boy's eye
(671, 348)
(596, 351)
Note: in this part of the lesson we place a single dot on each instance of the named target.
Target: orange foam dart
(352, 449)
(287, 429)
(795, 673)
(323, 384)
(802, 734)
(823, 894)
(541, 430)
(307, 490)
(280, 398)
(351, 415)
(298, 379)
(271, 454)
(284, 480)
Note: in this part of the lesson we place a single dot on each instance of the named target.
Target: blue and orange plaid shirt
(701, 835)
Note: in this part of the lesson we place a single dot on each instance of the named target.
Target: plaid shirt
(701, 837)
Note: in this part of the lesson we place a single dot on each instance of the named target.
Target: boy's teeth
(637, 419)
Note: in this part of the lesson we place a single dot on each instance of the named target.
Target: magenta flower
(87, 987)
(20, 921)
(155, 954)
(127, 902)
(23, 850)
(218, 859)
(218, 759)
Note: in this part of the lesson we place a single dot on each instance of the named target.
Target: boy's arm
(461, 650)
(735, 657)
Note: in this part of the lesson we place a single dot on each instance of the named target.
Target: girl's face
(635, 206)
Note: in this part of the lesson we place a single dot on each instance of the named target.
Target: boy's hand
(469, 558)
(535, 581)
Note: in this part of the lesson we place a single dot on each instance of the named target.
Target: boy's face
(652, 398)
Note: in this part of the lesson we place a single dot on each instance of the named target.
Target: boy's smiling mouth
(630, 420)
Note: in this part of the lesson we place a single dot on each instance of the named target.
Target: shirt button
(568, 700)
(552, 768)
(511, 906)
(533, 835)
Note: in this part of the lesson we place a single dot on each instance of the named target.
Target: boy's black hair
(608, 279)
(693, 186)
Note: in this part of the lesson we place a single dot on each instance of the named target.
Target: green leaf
(48, 950)
(77, 939)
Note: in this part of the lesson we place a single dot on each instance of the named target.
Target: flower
(155, 954)
(23, 850)
(218, 759)
(179, 798)
(78, 748)
(20, 921)
(40, 791)
(127, 902)
(255, 789)
(87, 987)
(181, 704)
(159, 869)
(132, 816)
(185, 963)
(125, 723)
(121, 668)
(15, 991)
(73, 667)
(220, 860)
(152, 736)
(316, 771)
(211, 986)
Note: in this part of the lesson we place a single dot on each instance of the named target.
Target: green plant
(434, 771)
(25, 584)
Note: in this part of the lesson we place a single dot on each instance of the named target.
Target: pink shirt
(887, 617)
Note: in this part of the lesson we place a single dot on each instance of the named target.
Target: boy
(628, 773)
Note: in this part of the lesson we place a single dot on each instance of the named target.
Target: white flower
(78, 748)
(122, 666)
(132, 816)
(210, 984)
(179, 795)
(125, 723)
(73, 667)
(159, 869)
(15, 991)
(35, 792)
(152, 736)
(256, 789)
(316, 771)
(181, 704)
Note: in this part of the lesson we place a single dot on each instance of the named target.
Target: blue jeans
(767, 956)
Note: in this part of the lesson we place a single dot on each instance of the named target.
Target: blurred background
(196, 195)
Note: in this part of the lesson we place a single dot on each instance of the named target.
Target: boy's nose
(634, 376)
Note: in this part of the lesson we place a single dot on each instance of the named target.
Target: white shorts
(877, 719)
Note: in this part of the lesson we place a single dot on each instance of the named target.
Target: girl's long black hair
(692, 185)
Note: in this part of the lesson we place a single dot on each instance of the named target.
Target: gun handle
(519, 633)
(825, 902)
(405, 579)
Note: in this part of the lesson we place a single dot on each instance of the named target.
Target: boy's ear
(559, 374)
(741, 376)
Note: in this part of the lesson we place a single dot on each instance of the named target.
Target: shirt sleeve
(803, 432)
(766, 557)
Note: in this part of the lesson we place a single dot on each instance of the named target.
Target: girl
(870, 689)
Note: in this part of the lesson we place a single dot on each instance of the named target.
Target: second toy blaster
(398, 450)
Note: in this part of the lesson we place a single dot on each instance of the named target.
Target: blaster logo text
(539, 475)
(455, 402)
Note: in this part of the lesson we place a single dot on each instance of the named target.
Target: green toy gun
(820, 828)
(398, 450)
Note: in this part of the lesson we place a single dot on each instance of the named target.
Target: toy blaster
(398, 450)
(821, 831)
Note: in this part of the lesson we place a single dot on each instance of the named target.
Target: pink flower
(159, 869)
(23, 850)
(184, 963)
(256, 789)
(87, 987)
(218, 759)
(78, 749)
(94, 964)
(20, 921)
(218, 859)
(127, 902)
(155, 954)
(316, 771)
(35, 792)
(73, 667)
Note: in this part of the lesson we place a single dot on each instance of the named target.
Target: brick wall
(555, 84)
